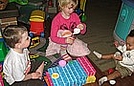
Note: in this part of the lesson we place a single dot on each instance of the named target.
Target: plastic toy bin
(125, 22)
(74, 73)
(3, 51)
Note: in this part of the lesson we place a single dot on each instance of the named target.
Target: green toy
(83, 17)
(3, 51)
(21, 2)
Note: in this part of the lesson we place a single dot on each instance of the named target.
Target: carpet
(100, 42)
(104, 48)
(37, 52)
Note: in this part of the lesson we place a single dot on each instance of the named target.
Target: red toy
(37, 28)
(37, 19)
(1, 80)
(110, 70)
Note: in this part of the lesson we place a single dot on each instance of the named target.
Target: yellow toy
(35, 41)
(33, 56)
(37, 23)
(37, 15)
(91, 79)
(82, 4)
(82, 7)
(55, 75)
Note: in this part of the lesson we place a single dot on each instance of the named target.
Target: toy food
(62, 63)
(66, 33)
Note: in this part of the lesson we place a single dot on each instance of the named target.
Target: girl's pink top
(60, 23)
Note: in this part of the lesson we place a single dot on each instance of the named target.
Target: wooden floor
(127, 81)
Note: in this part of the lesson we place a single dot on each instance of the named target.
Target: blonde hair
(63, 3)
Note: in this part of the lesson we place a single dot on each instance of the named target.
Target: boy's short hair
(12, 34)
(63, 3)
(131, 34)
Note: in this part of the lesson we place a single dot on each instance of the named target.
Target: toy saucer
(112, 82)
(55, 75)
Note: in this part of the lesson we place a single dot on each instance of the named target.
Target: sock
(97, 54)
(66, 57)
(63, 52)
(102, 80)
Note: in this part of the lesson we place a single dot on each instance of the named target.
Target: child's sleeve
(128, 58)
(78, 21)
(122, 48)
(54, 31)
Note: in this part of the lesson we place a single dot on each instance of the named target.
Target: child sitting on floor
(66, 21)
(17, 68)
(124, 60)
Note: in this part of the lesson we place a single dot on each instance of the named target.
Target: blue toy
(125, 22)
(81, 10)
(71, 75)
(21, 2)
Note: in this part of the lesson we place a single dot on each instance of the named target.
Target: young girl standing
(62, 39)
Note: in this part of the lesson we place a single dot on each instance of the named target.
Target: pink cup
(62, 63)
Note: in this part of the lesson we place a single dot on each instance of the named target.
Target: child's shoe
(102, 80)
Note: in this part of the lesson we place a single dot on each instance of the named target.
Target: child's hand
(80, 26)
(116, 43)
(36, 75)
(119, 57)
(70, 40)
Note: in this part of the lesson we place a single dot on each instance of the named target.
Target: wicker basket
(3, 4)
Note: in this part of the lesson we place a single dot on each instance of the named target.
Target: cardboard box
(7, 21)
